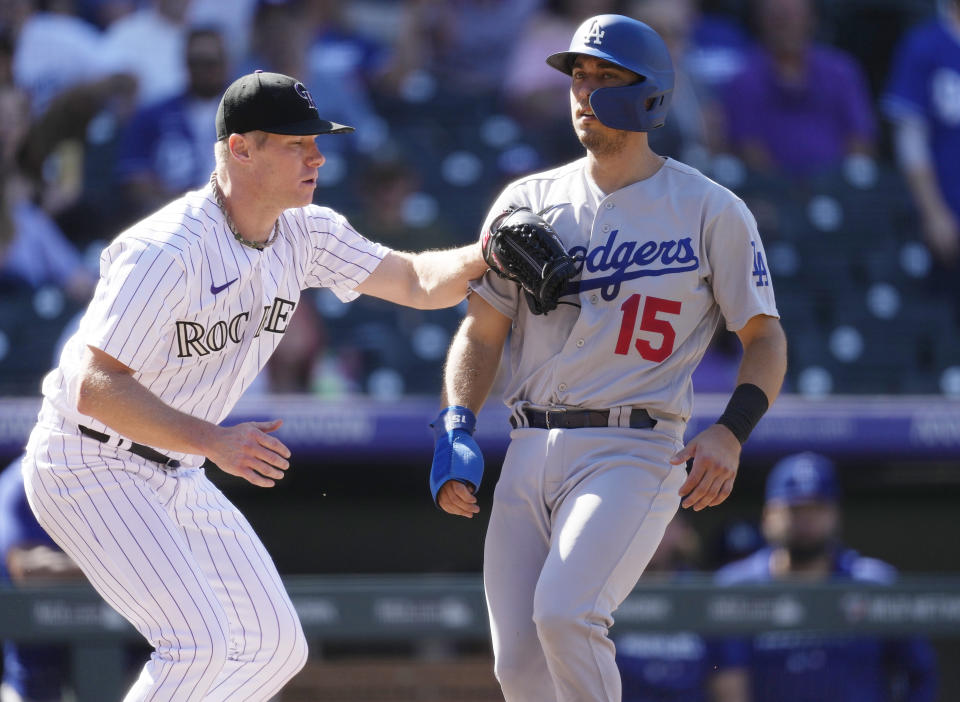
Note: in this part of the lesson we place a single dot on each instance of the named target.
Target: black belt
(134, 448)
(578, 418)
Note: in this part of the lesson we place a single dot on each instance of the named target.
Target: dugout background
(377, 517)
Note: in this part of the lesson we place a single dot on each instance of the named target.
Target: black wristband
(746, 406)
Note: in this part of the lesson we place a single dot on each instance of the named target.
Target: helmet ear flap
(640, 107)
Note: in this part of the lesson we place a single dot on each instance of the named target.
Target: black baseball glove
(524, 247)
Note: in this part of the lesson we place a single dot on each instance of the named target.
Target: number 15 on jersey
(649, 322)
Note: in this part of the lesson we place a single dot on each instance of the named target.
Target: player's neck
(253, 219)
(611, 172)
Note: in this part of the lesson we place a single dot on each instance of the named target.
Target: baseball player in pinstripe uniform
(191, 303)
(600, 387)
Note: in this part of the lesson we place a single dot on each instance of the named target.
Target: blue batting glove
(456, 455)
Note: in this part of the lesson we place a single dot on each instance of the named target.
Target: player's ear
(240, 146)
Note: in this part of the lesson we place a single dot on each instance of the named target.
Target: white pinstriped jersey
(662, 260)
(195, 313)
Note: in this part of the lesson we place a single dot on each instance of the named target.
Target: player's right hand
(456, 459)
(457, 498)
(715, 454)
(248, 451)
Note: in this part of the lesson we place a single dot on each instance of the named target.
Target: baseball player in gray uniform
(600, 387)
(190, 304)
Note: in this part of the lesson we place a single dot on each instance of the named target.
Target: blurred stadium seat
(31, 323)
(851, 280)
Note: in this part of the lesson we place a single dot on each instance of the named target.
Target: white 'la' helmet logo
(594, 34)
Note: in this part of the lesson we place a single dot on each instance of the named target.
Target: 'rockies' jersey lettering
(188, 339)
(234, 329)
(193, 337)
(674, 256)
(273, 315)
(279, 314)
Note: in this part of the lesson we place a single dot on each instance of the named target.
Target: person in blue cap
(801, 523)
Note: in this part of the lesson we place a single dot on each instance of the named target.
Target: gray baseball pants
(576, 517)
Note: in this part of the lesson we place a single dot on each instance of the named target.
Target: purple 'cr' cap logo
(304, 93)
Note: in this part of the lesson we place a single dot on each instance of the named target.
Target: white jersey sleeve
(140, 294)
(339, 257)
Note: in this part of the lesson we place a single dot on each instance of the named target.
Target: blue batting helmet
(633, 45)
(803, 477)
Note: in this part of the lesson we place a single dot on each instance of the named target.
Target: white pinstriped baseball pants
(171, 554)
(576, 517)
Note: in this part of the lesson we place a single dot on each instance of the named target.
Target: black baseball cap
(271, 102)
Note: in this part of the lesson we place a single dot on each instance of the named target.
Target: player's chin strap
(456, 455)
(747, 405)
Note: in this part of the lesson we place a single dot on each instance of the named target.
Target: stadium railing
(378, 609)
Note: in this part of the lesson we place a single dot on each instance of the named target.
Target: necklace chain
(218, 196)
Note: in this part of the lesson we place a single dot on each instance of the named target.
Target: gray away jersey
(196, 314)
(662, 261)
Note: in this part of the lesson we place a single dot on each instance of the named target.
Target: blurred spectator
(57, 60)
(695, 121)
(537, 95)
(34, 252)
(6, 56)
(718, 47)
(459, 47)
(342, 65)
(666, 666)
(734, 540)
(923, 101)
(310, 38)
(392, 211)
(797, 107)
(42, 71)
(149, 43)
(165, 149)
(34, 672)
(278, 40)
(103, 13)
(53, 154)
(233, 19)
(801, 523)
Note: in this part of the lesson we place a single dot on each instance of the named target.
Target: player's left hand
(457, 498)
(248, 451)
(522, 246)
(716, 456)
